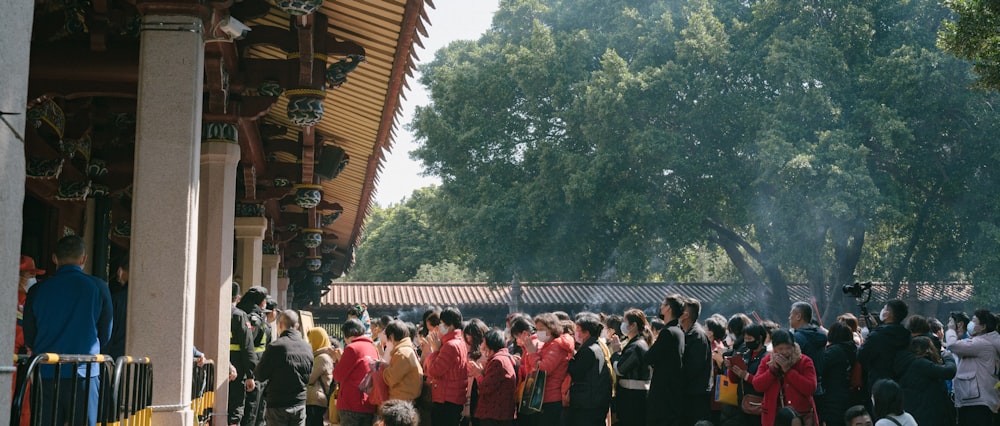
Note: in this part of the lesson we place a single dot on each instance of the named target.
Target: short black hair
(888, 398)
(432, 317)
(758, 332)
(452, 317)
(590, 322)
(521, 324)
(717, 327)
(693, 307)
(804, 309)
(781, 337)
(494, 340)
(986, 319)
(353, 327)
(853, 413)
(397, 330)
(70, 248)
(614, 324)
(839, 332)
(960, 317)
(676, 303)
(397, 412)
(737, 323)
(657, 324)
(899, 309)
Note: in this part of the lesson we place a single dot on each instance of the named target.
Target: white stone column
(165, 209)
(269, 274)
(15, 31)
(282, 296)
(215, 260)
(249, 246)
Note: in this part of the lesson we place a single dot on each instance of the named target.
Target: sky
(451, 20)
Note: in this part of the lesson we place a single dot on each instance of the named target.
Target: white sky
(451, 20)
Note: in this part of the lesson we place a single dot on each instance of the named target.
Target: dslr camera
(858, 289)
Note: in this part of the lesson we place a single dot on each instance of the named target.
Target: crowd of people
(627, 369)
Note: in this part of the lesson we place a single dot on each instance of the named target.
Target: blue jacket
(70, 313)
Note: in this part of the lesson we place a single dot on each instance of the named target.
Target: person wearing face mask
(590, 371)
(403, 375)
(632, 370)
(878, 353)
(663, 402)
(496, 382)
(958, 323)
(449, 381)
(752, 354)
(788, 380)
(553, 358)
(975, 380)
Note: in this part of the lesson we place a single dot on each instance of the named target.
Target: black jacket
(590, 384)
(839, 359)
(119, 300)
(697, 361)
(241, 354)
(631, 364)
(878, 353)
(286, 366)
(812, 342)
(925, 394)
(665, 356)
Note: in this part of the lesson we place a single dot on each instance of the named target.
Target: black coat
(878, 353)
(631, 363)
(839, 359)
(665, 356)
(590, 378)
(925, 394)
(697, 362)
(286, 364)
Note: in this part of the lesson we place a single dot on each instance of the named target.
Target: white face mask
(883, 314)
(506, 333)
(31, 281)
(624, 328)
(542, 335)
(442, 329)
(971, 328)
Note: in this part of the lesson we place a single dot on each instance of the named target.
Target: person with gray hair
(286, 364)
(397, 412)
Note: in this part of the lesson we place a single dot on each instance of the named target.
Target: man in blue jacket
(70, 313)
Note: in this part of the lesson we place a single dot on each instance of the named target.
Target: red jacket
(349, 372)
(799, 386)
(447, 370)
(553, 359)
(496, 388)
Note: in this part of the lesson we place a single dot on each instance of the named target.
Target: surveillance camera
(235, 29)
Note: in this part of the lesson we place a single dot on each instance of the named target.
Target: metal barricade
(133, 392)
(47, 397)
(203, 392)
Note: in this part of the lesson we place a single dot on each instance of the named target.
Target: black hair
(758, 332)
(854, 412)
(935, 325)
(521, 324)
(917, 324)
(452, 317)
(431, 317)
(353, 327)
(657, 324)
(494, 340)
(888, 398)
(693, 307)
(839, 333)
(986, 319)
(717, 327)
(413, 330)
(397, 330)
(70, 248)
(590, 322)
(804, 309)
(236, 291)
(614, 324)
(737, 323)
(899, 310)
(384, 321)
(476, 329)
(676, 304)
(960, 317)
(781, 337)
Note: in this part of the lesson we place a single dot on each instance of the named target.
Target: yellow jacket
(404, 375)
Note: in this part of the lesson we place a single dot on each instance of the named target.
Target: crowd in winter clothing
(674, 369)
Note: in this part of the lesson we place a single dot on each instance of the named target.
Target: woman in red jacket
(553, 358)
(352, 364)
(445, 369)
(497, 383)
(788, 379)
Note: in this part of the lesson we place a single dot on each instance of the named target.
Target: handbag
(805, 419)
(752, 404)
(332, 412)
(380, 390)
(726, 392)
(533, 393)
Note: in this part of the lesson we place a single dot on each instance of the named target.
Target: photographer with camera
(878, 352)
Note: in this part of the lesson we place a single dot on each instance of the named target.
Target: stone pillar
(15, 31)
(249, 246)
(269, 274)
(165, 208)
(282, 296)
(215, 260)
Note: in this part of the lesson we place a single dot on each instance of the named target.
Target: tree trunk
(904, 265)
(749, 275)
(777, 299)
(847, 253)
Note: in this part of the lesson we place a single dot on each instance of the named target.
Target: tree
(973, 36)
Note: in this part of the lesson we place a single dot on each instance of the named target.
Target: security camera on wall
(235, 29)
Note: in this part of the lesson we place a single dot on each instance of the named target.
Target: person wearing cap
(253, 303)
(25, 281)
(241, 358)
(69, 313)
(271, 312)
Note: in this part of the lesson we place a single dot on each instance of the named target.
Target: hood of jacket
(815, 337)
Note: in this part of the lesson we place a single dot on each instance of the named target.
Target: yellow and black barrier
(30, 370)
(203, 393)
(133, 392)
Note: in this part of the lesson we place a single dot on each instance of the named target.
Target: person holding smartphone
(742, 368)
